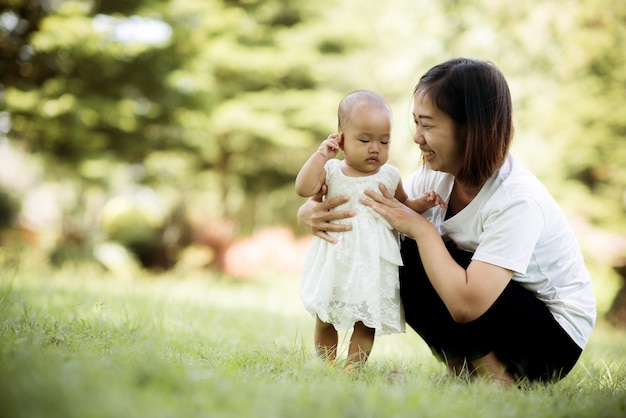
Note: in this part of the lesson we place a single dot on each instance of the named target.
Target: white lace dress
(356, 279)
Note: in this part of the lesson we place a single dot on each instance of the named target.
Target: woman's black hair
(476, 96)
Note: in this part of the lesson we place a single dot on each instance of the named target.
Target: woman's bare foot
(457, 367)
(490, 368)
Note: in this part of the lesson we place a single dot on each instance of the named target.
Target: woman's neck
(461, 196)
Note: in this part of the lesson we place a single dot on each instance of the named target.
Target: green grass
(77, 342)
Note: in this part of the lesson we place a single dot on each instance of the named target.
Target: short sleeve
(510, 234)
(391, 178)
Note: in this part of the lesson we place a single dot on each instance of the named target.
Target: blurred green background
(167, 134)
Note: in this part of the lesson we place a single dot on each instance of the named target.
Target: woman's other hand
(315, 215)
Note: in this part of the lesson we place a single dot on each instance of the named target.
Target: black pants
(518, 327)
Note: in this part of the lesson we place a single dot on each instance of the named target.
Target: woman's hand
(400, 216)
(315, 215)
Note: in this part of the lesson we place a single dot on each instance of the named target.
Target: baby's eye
(365, 141)
(385, 142)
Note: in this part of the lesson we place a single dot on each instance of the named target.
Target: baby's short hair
(358, 98)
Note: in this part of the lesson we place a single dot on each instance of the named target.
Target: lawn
(78, 342)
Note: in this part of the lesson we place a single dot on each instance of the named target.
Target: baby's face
(366, 141)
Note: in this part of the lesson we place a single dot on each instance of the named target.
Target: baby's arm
(422, 203)
(426, 201)
(312, 175)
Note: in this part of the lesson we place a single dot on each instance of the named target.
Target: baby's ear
(341, 140)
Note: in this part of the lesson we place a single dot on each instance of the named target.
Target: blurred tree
(592, 80)
(595, 80)
(77, 88)
(221, 99)
(217, 103)
(83, 86)
(252, 98)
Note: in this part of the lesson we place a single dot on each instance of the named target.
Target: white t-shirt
(515, 223)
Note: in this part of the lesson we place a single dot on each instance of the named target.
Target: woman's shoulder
(516, 186)
(515, 179)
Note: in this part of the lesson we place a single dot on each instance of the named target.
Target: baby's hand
(330, 147)
(434, 199)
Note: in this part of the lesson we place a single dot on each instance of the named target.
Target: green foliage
(76, 342)
(241, 92)
(234, 100)
(595, 85)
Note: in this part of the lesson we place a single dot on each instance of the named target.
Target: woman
(495, 284)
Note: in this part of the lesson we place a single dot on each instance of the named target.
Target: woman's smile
(428, 154)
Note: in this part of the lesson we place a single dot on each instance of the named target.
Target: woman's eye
(417, 123)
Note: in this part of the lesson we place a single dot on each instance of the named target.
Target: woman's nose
(418, 138)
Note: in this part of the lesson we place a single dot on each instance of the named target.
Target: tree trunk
(617, 314)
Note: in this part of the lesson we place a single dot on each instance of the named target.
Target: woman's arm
(466, 293)
(315, 215)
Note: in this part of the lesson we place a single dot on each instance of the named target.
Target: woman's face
(437, 136)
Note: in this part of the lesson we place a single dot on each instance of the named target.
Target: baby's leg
(361, 344)
(326, 340)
